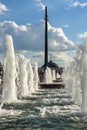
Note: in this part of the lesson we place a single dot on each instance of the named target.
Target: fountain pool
(25, 106)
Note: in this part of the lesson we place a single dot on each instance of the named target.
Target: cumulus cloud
(40, 4)
(58, 40)
(38, 57)
(58, 57)
(62, 56)
(3, 8)
(31, 37)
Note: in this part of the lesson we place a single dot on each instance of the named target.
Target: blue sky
(23, 19)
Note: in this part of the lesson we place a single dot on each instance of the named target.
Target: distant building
(52, 66)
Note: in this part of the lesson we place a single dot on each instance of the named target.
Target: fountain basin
(57, 85)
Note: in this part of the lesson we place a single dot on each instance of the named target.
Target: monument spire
(46, 38)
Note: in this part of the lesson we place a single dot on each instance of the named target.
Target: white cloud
(58, 57)
(65, 26)
(38, 54)
(73, 3)
(76, 3)
(3, 8)
(58, 41)
(31, 37)
(62, 56)
(40, 5)
(84, 35)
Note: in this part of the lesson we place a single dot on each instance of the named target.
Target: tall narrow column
(46, 38)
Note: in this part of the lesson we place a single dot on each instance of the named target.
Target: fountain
(76, 77)
(27, 79)
(30, 79)
(54, 75)
(83, 76)
(36, 78)
(48, 76)
(20, 78)
(50, 80)
(9, 93)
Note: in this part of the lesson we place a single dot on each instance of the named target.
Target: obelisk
(46, 39)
